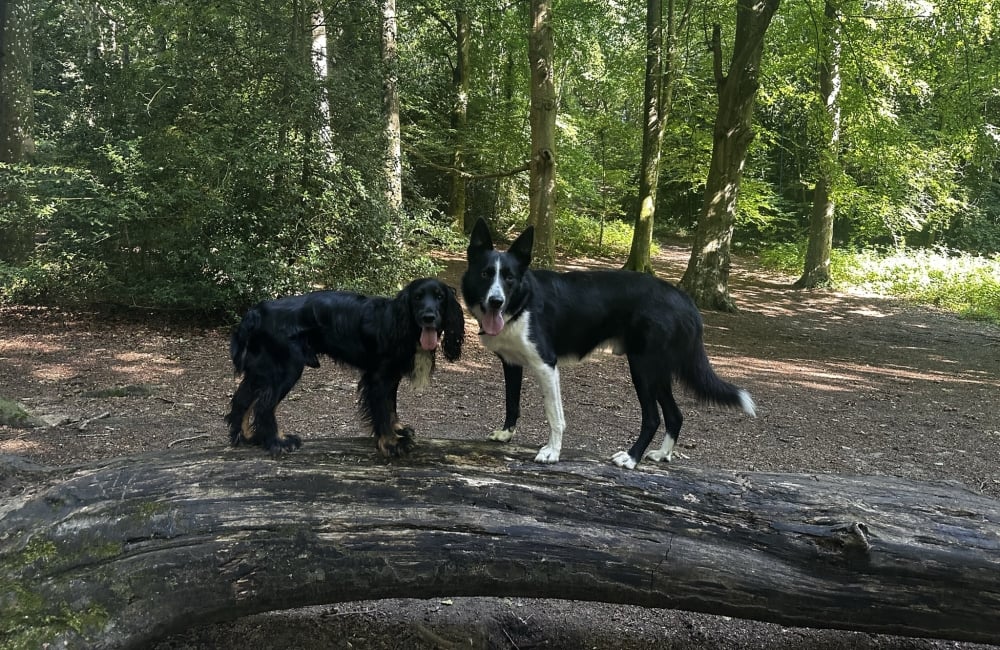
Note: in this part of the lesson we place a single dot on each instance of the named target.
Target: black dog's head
(434, 309)
(491, 284)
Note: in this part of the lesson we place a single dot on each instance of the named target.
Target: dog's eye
(487, 273)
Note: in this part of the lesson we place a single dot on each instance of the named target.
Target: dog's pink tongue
(492, 322)
(429, 339)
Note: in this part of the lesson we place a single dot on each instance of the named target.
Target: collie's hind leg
(672, 419)
(644, 378)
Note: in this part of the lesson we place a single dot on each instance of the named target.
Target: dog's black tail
(697, 374)
(240, 339)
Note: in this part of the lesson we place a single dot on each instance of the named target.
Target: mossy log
(115, 554)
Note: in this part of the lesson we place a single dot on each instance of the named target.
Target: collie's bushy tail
(696, 371)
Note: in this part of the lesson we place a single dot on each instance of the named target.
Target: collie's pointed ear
(480, 241)
(521, 248)
(454, 326)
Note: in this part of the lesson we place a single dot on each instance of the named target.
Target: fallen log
(116, 554)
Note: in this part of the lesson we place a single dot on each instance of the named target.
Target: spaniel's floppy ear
(454, 326)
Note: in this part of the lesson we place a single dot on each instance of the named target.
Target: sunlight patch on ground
(55, 372)
(869, 312)
(834, 376)
(18, 446)
(29, 345)
(145, 365)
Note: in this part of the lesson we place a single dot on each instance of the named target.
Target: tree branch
(468, 175)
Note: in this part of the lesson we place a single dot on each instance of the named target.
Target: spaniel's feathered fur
(385, 338)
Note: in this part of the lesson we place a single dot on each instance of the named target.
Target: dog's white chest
(512, 343)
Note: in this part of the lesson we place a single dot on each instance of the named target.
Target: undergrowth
(968, 285)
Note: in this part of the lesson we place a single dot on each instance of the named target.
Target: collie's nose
(494, 303)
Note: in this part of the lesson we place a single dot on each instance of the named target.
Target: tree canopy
(199, 156)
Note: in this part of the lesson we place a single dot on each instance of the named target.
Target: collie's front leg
(512, 376)
(548, 380)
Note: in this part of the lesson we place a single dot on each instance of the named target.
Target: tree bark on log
(115, 554)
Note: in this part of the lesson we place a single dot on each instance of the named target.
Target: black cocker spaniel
(385, 338)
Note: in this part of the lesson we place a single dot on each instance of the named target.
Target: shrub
(968, 285)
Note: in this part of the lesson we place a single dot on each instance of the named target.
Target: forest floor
(844, 384)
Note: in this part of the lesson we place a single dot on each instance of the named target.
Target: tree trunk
(390, 108)
(124, 551)
(321, 69)
(820, 247)
(459, 121)
(542, 179)
(707, 276)
(661, 60)
(652, 141)
(16, 83)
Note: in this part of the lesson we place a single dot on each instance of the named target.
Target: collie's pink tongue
(492, 322)
(429, 339)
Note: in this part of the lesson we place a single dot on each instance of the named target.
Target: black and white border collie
(539, 319)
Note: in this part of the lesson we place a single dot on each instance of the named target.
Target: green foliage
(962, 283)
(184, 162)
(584, 235)
(180, 168)
(966, 284)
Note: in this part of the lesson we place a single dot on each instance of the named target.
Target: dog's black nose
(494, 303)
(428, 318)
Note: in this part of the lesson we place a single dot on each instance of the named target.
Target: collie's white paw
(660, 456)
(502, 435)
(547, 454)
(622, 459)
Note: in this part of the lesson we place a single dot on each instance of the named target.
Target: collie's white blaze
(496, 291)
(423, 363)
(513, 344)
(746, 402)
(665, 453)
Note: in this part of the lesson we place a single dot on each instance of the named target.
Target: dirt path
(845, 384)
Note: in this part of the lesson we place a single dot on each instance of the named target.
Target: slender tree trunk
(459, 122)
(390, 107)
(652, 143)
(817, 265)
(321, 69)
(16, 105)
(707, 276)
(542, 183)
(661, 53)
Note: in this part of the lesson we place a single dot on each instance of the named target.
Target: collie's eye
(487, 273)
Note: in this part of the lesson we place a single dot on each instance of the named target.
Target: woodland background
(197, 156)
